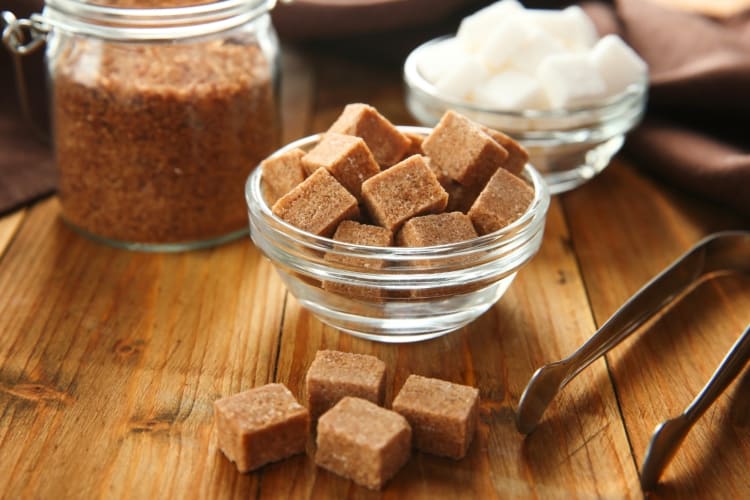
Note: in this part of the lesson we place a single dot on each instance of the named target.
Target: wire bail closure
(24, 36)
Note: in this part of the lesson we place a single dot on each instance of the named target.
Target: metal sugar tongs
(721, 252)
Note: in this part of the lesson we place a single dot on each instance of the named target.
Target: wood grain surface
(110, 360)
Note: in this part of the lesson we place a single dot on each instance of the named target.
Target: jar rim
(151, 24)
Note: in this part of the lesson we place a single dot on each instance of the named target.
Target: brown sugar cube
(517, 154)
(460, 197)
(347, 158)
(403, 191)
(415, 146)
(317, 205)
(262, 425)
(362, 441)
(504, 199)
(443, 415)
(439, 229)
(440, 175)
(334, 375)
(281, 174)
(361, 234)
(387, 144)
(463, 150)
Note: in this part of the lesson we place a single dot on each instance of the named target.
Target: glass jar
(160, 109)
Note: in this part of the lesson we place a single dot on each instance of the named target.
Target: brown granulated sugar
(154, 142)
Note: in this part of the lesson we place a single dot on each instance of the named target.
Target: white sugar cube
(475, 28)
(437, 59)
(571, 26)
(511, 90)
(504, 41)
(533, 51)
(460, 80)
(618, 64)
(570, 80)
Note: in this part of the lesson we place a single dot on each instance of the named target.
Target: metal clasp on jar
(22, 37)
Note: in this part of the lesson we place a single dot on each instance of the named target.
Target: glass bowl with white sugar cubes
(544, 77)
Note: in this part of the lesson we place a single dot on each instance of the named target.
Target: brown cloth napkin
(695, 135)
(26, 168)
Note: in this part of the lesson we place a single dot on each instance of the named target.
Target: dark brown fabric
(695, 134)
(26, 170)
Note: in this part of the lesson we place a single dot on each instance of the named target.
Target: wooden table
(110, 360)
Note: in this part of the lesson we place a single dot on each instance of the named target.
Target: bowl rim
(509, 234)
(415, 81)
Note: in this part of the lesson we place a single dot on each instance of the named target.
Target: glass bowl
(568, 146)
(396, 294)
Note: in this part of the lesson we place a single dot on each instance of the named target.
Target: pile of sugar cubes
(365, 182)
(508, 57)
(356, 436)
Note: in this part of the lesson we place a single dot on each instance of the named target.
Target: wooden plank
(9, 225)
(111, 361)
(637, 228)
(581, 450)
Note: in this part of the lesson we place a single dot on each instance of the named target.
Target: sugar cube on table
(360, 440)
(443, 415)
(475, 28)
(571, 26)
(571, 80)
(618, 64)
(503, 200)
(383, 139)
(334, 375)
(511, 90)
(262, 425)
